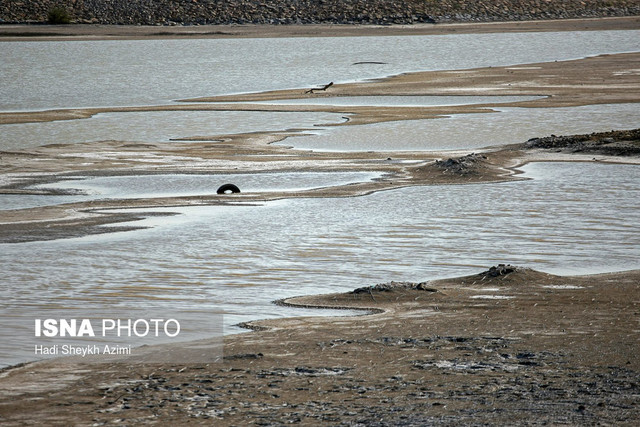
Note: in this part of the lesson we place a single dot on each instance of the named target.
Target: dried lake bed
(109, 208)
(141, 154)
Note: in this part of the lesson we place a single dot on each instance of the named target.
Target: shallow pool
(177, 185)
(155, 126)
(471, 131)
(570, 218)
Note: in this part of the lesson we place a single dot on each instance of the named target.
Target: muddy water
(570, 218)
(156, 126)
(139, 72)
(85, 188)
(236, 259)
(471, 131)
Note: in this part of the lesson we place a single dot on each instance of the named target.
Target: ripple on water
(237, 259)
(471, 131)
(177, 185)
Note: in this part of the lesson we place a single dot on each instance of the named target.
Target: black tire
(228, 188)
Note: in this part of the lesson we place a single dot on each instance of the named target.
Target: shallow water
(461, 131)
(147, 186)
(577, 218)
(26, 201)
(72, 74)
(470, 131)
(572, 218)
(156, 126)
(175, 185)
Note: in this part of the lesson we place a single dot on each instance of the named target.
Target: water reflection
(572, 218)
(142, 72)
(155, 126)
(471, 131)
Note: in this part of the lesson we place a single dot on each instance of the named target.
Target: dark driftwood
(369, 63)
(323, 88)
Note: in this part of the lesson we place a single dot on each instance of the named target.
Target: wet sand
(506, 346)
(519, 347)
(610, 79)
(603, 79)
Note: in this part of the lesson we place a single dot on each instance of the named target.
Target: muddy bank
(399, 169)
(508, 345)
(558, 84)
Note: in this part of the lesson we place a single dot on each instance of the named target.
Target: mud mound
(393, 286)
(462, 165)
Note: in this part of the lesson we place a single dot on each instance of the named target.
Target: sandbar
(508, 345)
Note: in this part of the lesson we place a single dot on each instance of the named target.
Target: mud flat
(609, 79)
(508, 345)
(398, 169)
(505, 346)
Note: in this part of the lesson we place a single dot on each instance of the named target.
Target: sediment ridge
(190, 12)
(507, 346)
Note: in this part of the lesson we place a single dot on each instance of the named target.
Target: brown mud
(509, 345)
(610, 79)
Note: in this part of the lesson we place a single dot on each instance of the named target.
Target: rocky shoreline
(380, 12)
(614, 143)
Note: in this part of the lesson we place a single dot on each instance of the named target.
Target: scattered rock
(462, 165)
(279, 12)
(244, 356)
(392, 286)
(614, 143)
(304, 371)
(499, 270)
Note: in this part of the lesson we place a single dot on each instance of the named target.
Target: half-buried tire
(228, 188)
